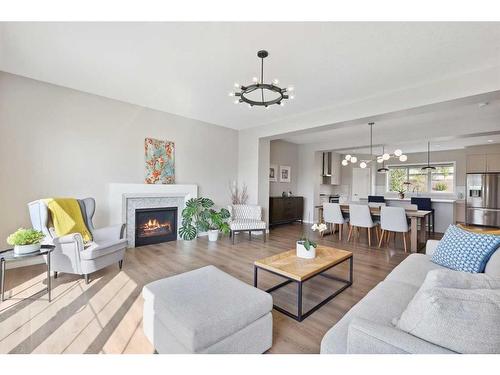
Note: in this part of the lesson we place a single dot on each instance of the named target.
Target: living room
(181, 187)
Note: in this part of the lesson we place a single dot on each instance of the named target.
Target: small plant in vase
(306, 248)
(217, 222)
(26, 241)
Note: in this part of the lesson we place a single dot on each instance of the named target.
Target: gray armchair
(70, 254)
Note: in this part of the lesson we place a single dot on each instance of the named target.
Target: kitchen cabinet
(476, 163)
(481, 163)
(285, 210)
(459, 212)
(493, 163)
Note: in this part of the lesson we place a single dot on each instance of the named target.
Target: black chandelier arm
(242, 94)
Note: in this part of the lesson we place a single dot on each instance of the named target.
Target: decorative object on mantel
(159, 157)
(306, 248)
(379, 158)
(259, 93)
(273, 172)
(199, 216)
(285, 173)
(428, 166)
(26, 241)
(238, 196)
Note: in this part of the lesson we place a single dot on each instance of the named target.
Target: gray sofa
(367, 327)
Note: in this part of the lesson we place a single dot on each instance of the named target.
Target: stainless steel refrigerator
(483, 199)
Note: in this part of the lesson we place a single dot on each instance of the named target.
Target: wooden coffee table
(299, 270)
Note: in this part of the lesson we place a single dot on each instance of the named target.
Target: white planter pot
(213, 235)
(302, 252)
(26, 249)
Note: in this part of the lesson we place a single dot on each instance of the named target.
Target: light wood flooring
(106, 315)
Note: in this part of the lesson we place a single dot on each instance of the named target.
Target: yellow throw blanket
(67, 217)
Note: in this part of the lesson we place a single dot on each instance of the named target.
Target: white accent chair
(332, 214)
(360, 217)
(70, 254)
(393, 219)
(246, 218)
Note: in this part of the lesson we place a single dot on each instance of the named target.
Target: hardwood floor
(106, 315)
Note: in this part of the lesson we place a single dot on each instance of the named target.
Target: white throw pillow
(456, 310)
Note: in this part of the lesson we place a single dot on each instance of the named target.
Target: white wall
(61, 142)
(285, 154)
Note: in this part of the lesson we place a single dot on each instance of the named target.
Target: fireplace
(155, 225)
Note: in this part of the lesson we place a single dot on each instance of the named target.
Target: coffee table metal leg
(351, 269)
(299, 301)
(48, 274)
(2, 280)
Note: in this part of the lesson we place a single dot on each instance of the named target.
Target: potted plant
(306, 248)
(26, 241)
(199, 216)
(217, 222)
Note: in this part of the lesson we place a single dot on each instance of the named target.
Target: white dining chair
(393, 219)
(376, 204)
(360, 217)
(332, 215)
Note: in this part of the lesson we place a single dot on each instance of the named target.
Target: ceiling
(453, 125)
(189, 68)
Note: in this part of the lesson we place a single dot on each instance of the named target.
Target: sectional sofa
(368, 328)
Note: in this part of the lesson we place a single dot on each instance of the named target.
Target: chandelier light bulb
(354, 159)
(231, 94)
(386, 156)
(380, 160)
(276, 81)
(255, 79)
(403, 158)
(290, 88)
(362, 164)
(348, 157)
(237, 85)
(398, 152)
(236, 101)
(282, 104)
(344, 162)
(292, 96)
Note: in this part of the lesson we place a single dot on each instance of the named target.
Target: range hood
(327, 164)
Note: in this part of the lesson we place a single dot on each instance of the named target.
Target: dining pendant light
(384, 169)
(428, 166)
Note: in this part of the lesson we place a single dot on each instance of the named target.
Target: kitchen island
(444, 210)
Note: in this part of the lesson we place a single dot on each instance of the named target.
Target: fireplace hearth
(155, 225)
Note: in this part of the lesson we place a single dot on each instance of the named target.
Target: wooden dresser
(285, 210)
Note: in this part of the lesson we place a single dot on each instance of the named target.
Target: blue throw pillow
(465, 251)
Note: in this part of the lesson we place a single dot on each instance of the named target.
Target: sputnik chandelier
(379, 158)
(260, 93)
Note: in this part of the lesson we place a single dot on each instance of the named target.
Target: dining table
(415, 216)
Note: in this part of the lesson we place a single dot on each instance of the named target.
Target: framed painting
(285, 173)
(273, 173)
(159, 158)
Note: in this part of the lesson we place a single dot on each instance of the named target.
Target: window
(413, 179)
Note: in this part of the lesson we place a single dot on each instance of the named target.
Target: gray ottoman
(207, 311)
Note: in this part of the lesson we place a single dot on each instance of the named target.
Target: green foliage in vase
(25, 237)
(199, 216)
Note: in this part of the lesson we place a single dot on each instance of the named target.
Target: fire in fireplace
(155, 225)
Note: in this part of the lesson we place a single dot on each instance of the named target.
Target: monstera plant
(199, 216)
